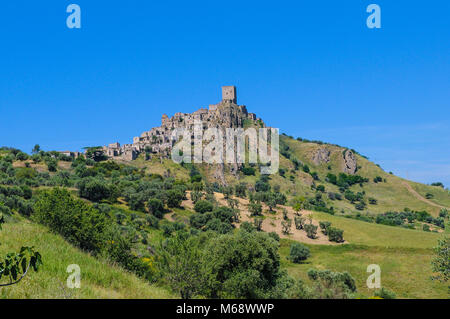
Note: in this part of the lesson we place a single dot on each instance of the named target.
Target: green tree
(298, 253)
(286, 226)
(311, 230)
(243, 265)
(255, 208)
(174, 198)
(203, 206)
(324, 225)
(179, 259)
(299, 222)
(156, 207)
(72, 218)
(36, 149)
(335, 234)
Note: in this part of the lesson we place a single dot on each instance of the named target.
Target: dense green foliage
(298, 253)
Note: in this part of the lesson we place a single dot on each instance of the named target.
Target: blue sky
(311, 68)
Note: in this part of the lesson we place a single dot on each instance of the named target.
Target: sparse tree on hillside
(36, 149)
(299, 222)
(255, 208)
(311, 230)
(286, 226)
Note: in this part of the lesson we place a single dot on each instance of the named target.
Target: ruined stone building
(226, 114)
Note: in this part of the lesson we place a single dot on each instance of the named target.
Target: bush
(203, 206)
(385, 293)
(335, 234)
(248, 171)
(331, 285)
(324, 226)
(242, 265)
(156, 207)
(52, 164)
(95, 189)
(72, 218)
(299, 222)
(152, 221)
(298, 253)
(257, 222)
(255, 209)
(174, 198)
(311, 230)
(286, 226)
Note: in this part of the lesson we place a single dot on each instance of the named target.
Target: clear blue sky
(311, 68)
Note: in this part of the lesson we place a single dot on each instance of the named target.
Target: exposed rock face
(226, 114)
(350, 165)
(322, 155)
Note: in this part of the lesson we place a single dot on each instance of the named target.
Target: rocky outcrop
(321, 155)
(349, 164)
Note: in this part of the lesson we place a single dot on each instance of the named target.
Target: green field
(403, 255)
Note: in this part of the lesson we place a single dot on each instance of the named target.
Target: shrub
(156, 207)
(286, 226)
(335, 234)
(311, 230)
(203, 206)
(377, 179)
(52, 164)
(248, 171)
(257, 222)
(242, 265)
(384, 293)
(299, 222)
(174, 198)
(298, 253)
(332, 285)
(321, 188)
(94, 189)
(255, 208)
(152, 221)
(324, 226)
(78, 222)
(21, 156)
(274, 235)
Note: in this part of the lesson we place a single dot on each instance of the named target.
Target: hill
(99, 278)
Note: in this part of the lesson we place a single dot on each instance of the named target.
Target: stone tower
(229, 94)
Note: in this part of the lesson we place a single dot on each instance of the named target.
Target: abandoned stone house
(225, 114)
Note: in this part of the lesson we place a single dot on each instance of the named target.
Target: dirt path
(272, 220)
(420, 197)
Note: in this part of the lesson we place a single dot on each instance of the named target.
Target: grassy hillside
(403, 255)
(391, 193)
(99, 279)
